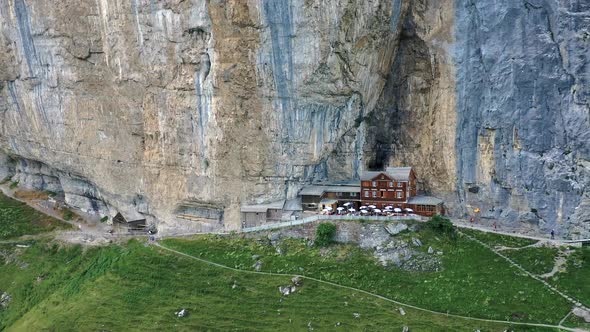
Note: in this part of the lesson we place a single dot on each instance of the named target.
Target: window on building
(374, 183)
(374, 194)
(399, 194)
(366, 194)
(390, 184)
(351, 194)
(381, 193)
(399, 184)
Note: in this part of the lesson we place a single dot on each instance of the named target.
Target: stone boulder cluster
(4, 299)
(292, 288)
(403, 254)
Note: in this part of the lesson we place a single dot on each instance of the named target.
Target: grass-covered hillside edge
(138, 287)
(474, 281)
(18, 219)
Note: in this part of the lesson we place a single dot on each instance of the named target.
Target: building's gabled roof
(425, 200)
(293, 204)
(312, 190)
(396, 173)
(278, 205)
(399, 173)
(370, 175)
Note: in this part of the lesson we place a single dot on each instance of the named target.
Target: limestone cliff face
(163, 108)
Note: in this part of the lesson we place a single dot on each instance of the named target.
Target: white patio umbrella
(346, 204)
(329, 208)
(409, 210)
(326, 210)
(364, 211)
(351, 210)
(372, 206)
(388, 207)
(377, 210)
(340, 208)
(363, 207)
(397, 210)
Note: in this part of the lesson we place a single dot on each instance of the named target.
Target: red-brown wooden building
(396, 186)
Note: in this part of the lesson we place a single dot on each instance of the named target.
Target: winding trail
(559, 327)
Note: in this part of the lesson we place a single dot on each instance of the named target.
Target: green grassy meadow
(474, 282)
(137, 287)
(17, 219)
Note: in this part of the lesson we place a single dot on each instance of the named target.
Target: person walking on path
(552, 234)
(495, 227)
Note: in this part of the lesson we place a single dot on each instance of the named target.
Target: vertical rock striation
(160, 109)
(164, 109)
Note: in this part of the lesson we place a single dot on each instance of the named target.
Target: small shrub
(68, 214)
(50, 193)
(13, 185)
(105, 218)
(324, 234)
(441, 225)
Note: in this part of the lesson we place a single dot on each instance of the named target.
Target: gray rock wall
(523, 132)
(489, 102)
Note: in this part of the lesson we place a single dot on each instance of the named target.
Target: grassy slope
(139, 288)
(17, 219)
(475, 282)
(494, 239)
(575, 280)
(535, 260)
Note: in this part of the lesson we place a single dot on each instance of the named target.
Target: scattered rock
(255, 257)
(582, 313)
(234, 286)
(181, 313)
(402, 311)
(297, 281)
(286, 290)
(439, 252)
(4, 299)
(430, 250)
(416, 242)
(395, 229)
(406, 329)
(274, 236)
(257, 266)
(372, 235)
(400, 254)
(279, 250)
(356, 315)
